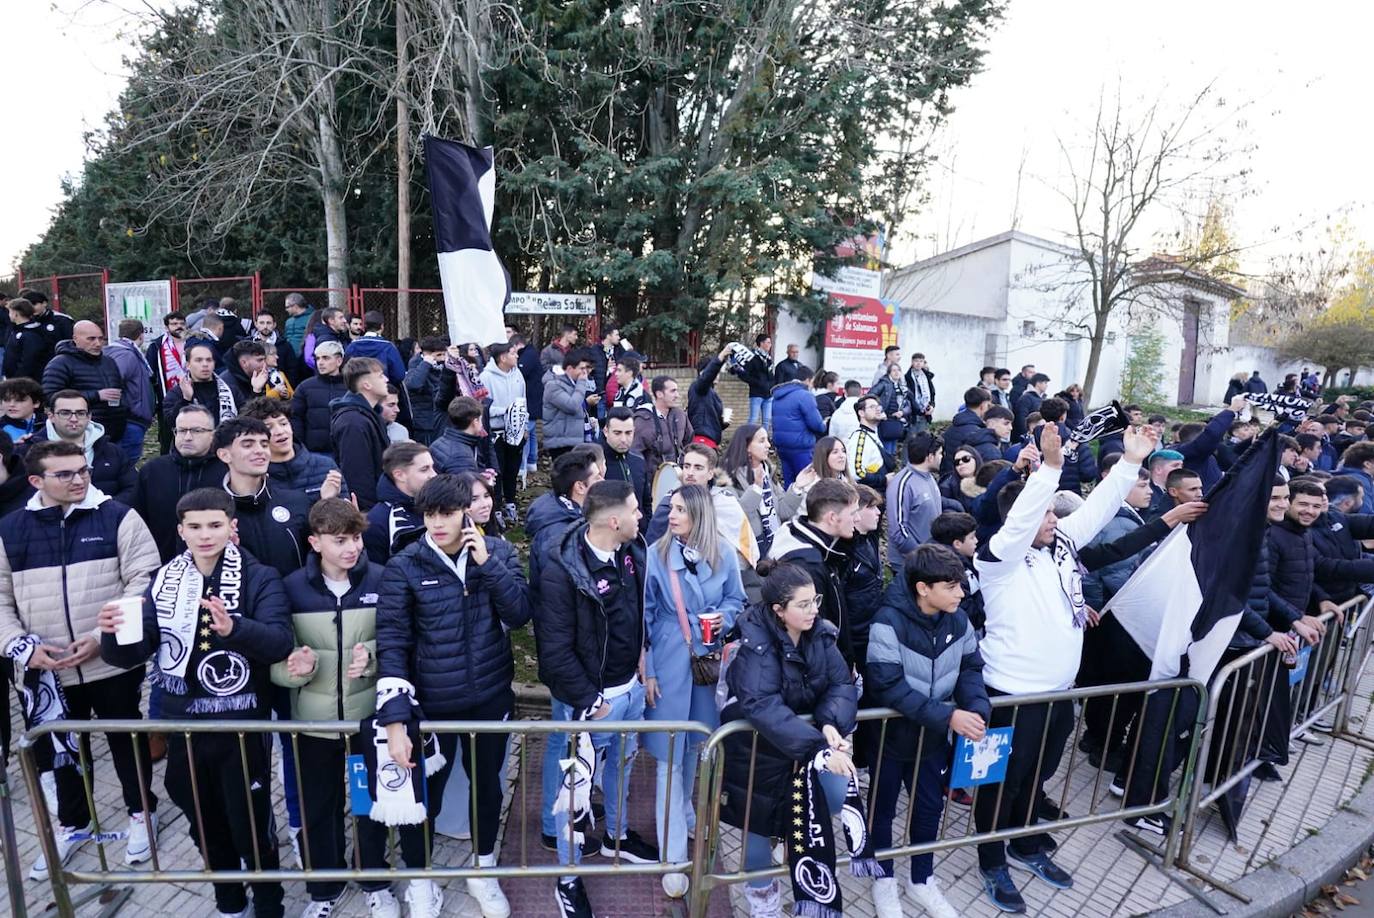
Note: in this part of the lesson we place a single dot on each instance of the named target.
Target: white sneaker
(382, 904)
(246, 913)
(487, 892)
(66, 847)
(140, 847)
(295, 833)
(764, 901)
(928, 896)
(322, 909)
(675, 885)
(424, 898)
(887, 898)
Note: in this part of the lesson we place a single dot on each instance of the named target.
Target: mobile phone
(467, 521)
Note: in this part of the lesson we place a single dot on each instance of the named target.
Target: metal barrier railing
(183, 731)
(1249, 702)
(1182, 694)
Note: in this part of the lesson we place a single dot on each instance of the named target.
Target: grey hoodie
(505, 388)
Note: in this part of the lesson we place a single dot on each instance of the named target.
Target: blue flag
(462, 190)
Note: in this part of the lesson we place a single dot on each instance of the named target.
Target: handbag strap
(681, 606)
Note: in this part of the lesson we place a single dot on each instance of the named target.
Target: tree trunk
(1095, 343)
(332, 190)
(402, 328)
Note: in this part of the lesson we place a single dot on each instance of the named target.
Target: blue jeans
(618, 747)
(673, 794)
(761, 411)
(531, 445)
(758, 849)
(132, 441)
(928, 798)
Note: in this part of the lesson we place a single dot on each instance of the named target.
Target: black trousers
(1047, 723)
(115, 698)
(324, 803)
(1165, 728)
(1274, 743)
(1242, 714)
(234, 832)
(485, 775)
(1111, 655)
(509, 461)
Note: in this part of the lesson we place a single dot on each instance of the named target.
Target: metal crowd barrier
(1215, 735)
(1242, 712)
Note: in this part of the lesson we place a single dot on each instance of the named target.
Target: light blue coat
(666, 658)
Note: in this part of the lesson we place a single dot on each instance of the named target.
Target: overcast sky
(1305, 67)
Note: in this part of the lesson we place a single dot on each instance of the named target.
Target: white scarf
(40, 698)
(227, 406)
(397, 798)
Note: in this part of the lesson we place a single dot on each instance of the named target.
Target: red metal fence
(189, 292)
(81, 296)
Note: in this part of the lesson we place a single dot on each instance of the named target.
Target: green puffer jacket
(331, 626)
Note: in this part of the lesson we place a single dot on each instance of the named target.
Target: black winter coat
(1293, 589)
(281, 544)
(548, 518)
(705, 411)
(15, 490)
(772, 683)
(310, 414)
(360, 438)
(863, 588)
(392, 523)
(1341, 563)
(530, 368)
(445, 636)
(786, 371)
(1026, 405)
(206, 394)
(164, 481)
(758, 376)
(73, 368)
(577, 659)
(1254, 624)
(27, 352)
(968, 430)
(428, 417)
(456, 452)
(824, 559)
(632, 468)
(601, 365)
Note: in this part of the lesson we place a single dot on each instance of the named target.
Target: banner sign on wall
(147, 301)
(855, 340)
(552, 304)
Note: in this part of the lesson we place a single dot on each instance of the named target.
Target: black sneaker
(572, 900)
(589, 845)
(1044, 868)
(1048, 811)
(1002, 891)
(633, 848)
(1266, 772)
(1150, 825)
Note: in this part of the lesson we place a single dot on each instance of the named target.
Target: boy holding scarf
(214, 620)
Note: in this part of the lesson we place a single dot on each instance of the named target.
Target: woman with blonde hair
(692, 594)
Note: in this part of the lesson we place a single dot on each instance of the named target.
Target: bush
(1142, 378)
(1361, 393)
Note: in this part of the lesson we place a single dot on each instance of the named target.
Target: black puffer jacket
(456, 452)
(968, 430)
(445, 636)
(1293, 589)
(27, 352)
(73, 368)
(310, 414)
(276, 542)
(582, 648)
(392, 523)
(360, 438)
(705, 410)
(1254, 624)
(757, 374)
(204, 394)
(164, 481)
(428, 417)
(772, 683)
(863, 588)
(824, 559)
(548, 517)
(1341, 564)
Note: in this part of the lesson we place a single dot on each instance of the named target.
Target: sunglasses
(960, 460)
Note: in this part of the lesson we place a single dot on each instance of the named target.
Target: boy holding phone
(225, 618)
(921, 638)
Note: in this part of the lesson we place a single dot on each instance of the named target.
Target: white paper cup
(114, 402)
(130, 631)
(727, 414)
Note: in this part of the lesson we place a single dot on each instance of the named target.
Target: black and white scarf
(1292, 408)
(398, 798)
(1107, 420)
(192, 660)
(577, 773)
(1070, 571)
(768, 508)
(811, 842)
(41, 699)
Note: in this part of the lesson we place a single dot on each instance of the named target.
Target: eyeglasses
(814, 603)
(66, 413)
(960, 460)
(193, 431)
(66, 475)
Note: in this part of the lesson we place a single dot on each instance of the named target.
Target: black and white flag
(1102, 422)
(1186, 600)
(1285, 407)
(462, 190)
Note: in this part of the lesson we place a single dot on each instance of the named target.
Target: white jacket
(1030, 594)
(844, 420)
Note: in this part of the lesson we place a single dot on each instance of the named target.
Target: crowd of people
(322, 536)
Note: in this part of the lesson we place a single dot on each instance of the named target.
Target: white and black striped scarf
(41, 698)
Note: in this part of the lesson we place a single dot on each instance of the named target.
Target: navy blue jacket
(1199, 453)
(310, 414)
(968, 430)
(456, 452)
(705, 410)
(631, 467)
(164, 481)
(1341, 562)
(446, 636)
(926, 667)
(1293, 590)
(305, 472)
(276, 542)
(428, 417)
(772, 683)
(548, 517)
(530, 368)
(392, 523)
(359, 440)
(383, 351)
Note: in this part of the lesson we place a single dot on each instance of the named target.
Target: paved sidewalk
(1110, 879)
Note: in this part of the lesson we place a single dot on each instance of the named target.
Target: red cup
(709, 624)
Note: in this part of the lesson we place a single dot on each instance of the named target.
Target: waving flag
(462, 190)
(1187, 598)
